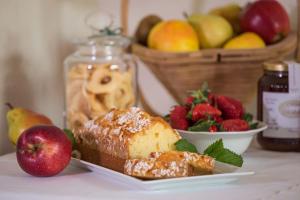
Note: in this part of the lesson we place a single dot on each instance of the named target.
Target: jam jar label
(294, 77)
(281, 111)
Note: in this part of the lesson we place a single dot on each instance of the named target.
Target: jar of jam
(279, 106)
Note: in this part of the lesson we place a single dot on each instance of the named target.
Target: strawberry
(231, 108)
(189, 100)
(218, 119)
(234, 125)
(181, 124)
(211, 99)
(204, 111)
(178, 112)
(213, 128)
(178, 118)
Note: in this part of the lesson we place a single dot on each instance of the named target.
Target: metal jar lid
(275, 65)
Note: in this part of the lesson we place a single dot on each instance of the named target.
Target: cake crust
(100, 158)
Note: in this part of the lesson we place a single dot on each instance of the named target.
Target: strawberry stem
(185, 15)
(9, 105)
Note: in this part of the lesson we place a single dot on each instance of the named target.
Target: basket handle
(124, 23)
(124, 16)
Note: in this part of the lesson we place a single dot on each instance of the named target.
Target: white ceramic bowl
(238, 142)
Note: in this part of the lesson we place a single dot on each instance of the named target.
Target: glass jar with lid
(99, 75)
(279, 106)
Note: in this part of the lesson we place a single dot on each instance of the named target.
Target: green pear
(212, 30)
(20, 119)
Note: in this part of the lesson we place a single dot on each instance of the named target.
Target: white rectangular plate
(223, 174)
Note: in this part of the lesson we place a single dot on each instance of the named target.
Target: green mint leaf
(70, 135)
(184, 145)
(253, 125)
(214, 147)
(221, 154)
(248, 117)
(229, 157)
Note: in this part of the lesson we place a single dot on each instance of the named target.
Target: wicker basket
(229, 72)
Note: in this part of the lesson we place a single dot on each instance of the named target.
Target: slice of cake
(169, 164)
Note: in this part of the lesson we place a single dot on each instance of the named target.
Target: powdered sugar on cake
(133, 121)
(135, 166)
(90, 125)
(151, 167)
(116, 131)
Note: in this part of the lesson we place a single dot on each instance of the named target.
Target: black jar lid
(275, 65)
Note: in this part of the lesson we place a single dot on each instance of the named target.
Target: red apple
(266, 18)
(43, 150)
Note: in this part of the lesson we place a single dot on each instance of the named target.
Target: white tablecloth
(277, 177)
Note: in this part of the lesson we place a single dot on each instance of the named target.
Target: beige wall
(36, 35)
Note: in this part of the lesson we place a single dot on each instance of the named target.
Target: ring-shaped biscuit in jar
(96, 103)
(96, 114)
(76, 120)
(120, 97)
(81, 71)
(79, 103)
(102, 80)
(127, 76)
(73, 88)
(110, 100)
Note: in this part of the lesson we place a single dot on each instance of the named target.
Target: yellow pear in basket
(246, 40)
(173, 36)
(213, 31)
(231, 12)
